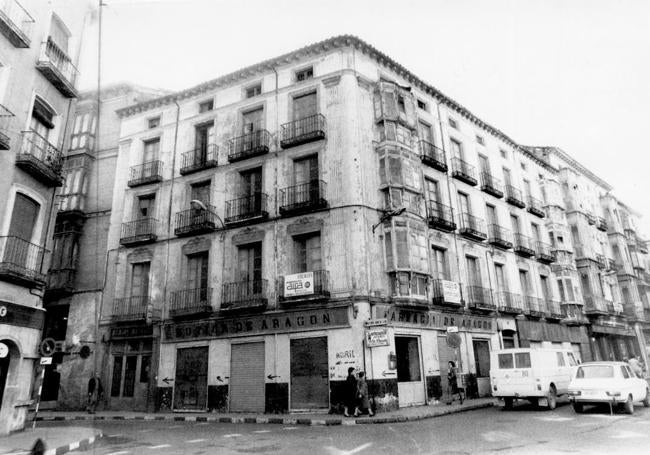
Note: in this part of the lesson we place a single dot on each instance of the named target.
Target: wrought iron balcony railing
(554, 309)
(72, 204)
(247, 208)
(514, 196)
(509, 302)
(591, 218)
(320, 290)
(304, 130)
(16, 23)
(145, 173)
(188, 302)
(249, 145)
(138, 231)
(463, 171)
(6, 123)
(479, 298)
(21, 261)
(439, 297)
(199, 159)
(239, 295)
(524, 245)
(535, 307)
(61, 281)
(303, 197)
(441, 217)
(472, 227)
(535, 207)
(601, 260)
(196, 221)
(132, 308)
(491, 185)
(595, 304)
(40, 159)
(499, 236)
(57, 68)
(433, 156)
(544, 252)
(601, 224)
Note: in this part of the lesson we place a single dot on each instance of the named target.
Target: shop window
(131, 361)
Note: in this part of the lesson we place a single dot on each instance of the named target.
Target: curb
(84, 444)
(271, 420)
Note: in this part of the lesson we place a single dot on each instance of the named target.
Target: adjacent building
(39, 47)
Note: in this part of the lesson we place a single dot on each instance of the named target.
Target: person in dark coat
(452, 379)
(363, 403)
(350, 392)
(95, 392)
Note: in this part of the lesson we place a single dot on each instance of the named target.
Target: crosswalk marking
(161, 446)
(194, 441)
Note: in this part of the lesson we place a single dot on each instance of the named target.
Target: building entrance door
(445, 354)
(309, 373)
(191, 383)
(247, 377)
(410, 385)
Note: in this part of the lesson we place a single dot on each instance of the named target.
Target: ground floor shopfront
(542, 334)
(613, 339)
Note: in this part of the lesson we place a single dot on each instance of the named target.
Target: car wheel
(646, 400)
(578, 408)
(508, 402)
(551, 398)
(629, 405)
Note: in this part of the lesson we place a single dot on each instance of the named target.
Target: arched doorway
(8, 369)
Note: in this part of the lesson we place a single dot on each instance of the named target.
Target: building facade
(39, 49)
(322, 210)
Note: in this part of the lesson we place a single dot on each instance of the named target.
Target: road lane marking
(290, 428)
(122, 452)
(176, 426)
(116, 435)
(498, 436)
(262, 431)
(194, 441)
(628, 435)
(232, 435)
(161, 446)
(336, 451)
(555, 419)
(145, 431)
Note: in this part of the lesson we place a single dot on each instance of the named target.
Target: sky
(568, 73)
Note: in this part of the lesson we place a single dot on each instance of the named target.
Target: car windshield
(595, 372)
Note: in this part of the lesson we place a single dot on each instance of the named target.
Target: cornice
(579, 167)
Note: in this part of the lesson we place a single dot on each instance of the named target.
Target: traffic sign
(46, 360)
(48, 345)
(453, 339)
(4, 350)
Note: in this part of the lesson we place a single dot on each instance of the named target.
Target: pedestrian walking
(363, 402)
(452, 380)
(95, 393)
(350, 392)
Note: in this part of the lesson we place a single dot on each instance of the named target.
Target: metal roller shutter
(247, 377)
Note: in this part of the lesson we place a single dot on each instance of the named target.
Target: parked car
(607, 382)
(538, 375)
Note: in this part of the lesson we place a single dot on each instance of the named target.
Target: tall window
(252, 120)
(527, 189)
(42, 121)
(484, 164)
(514, 221)
(456, 149)
(565, 286)
(432, 190)
(23, 217)
(197, 271)
(250, 262)
(546, 291)
(535, 229)
(425, 132)
(145, 206)
(440, 264)
(473, 271)
(305, 169)
(491, 214)
(201, 192)
(507, 179)
(502, 282)
(523, 280)
(463, 203)
(151, 150)
(308, 253)
(304, 106)
(203, 135)
(140, 279)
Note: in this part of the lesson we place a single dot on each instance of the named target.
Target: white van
(537, 375)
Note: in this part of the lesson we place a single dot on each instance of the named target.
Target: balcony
(500, 237)
(245, 295)
(442, 298)
(16, 23)
(143, 174)
(247, 209)
(553, 310)
(72, 205)
(6, 124)
(303, 198)
(601, 224)
(514, 197)
(302, 289)
(21, 262)
(623, 268)
(524, 245)
(130, 309)
(441, 217)
(195, 221)
(601, 260)
(479, 298)
(491, 185)
(60, 282)
(191, 302)
(634, 311)
(595, 305)
(40, 159)
(508, 302)
(249, 145)
(535, 207)
(637, 261)
(591, 218)
(138, 232)
(642, 245)
(433, 156)
(302, 131)
(57, 68)
(535, 307)
(544, 253)
(199, 159)
(472, 227)
(573, 314)
(463, 171)
(611, 265)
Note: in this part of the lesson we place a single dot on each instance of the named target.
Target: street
(524, 430)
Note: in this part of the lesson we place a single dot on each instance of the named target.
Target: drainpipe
(275, 222)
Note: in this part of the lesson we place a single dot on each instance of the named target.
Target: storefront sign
(375, 322)
(506, 324)
(622, 331)
(434, 319)
(451, 291)
(131, 332)
(295, 321)
(22, 316)
(377, 336)
(299, 284)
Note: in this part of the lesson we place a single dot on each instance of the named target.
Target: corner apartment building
(74, 287)
(39, 47)
(316, 211)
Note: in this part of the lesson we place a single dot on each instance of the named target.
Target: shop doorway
(309, 373)
(410, 386)
(446, 354)
(247, 377)
(482, 363)
(191, 383)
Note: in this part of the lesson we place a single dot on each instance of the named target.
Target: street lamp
(198, 205)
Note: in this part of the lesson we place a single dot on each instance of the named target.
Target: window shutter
(23, 217)
(389, 102)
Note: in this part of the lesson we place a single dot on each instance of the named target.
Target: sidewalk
(57, 440)
(401, 415)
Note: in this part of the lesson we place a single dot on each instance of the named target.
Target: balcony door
(546, 293)
(484, 164)
(305, 179)
(463, 204)
(491, 215)
(151, 150)
(203, 135)
(527, 190)
(425, 132)
(304, 106)
(197, 276)
(457, 149)
(250, 268)
(440, 264)
(514, 221)
(536, 235)
(140, 279)
(502, 283)
(525, 283)
(23, 221)
(42, 121)
(250, 188)
(308, 253)
(473, 272)
(507, 179)
(252, 121)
